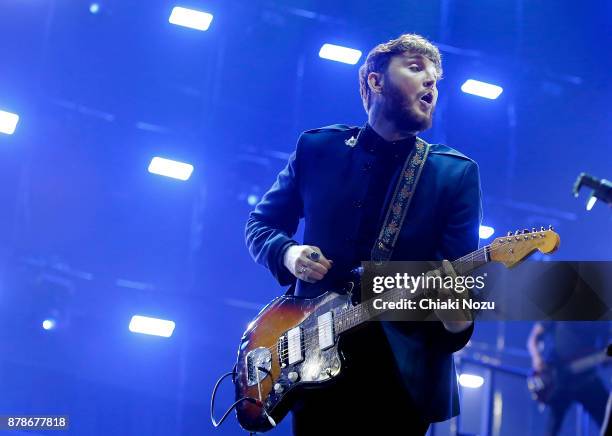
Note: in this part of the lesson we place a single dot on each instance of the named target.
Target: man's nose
(429, 83)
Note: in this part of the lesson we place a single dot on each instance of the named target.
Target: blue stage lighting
(486, 232)
(48, 324)
(94, 8)
(339, 54)
(591, 202)
(190, 18)
(471, 381)
(151, 326)
(481, 89)
(252, 199)
(8, 122)
(170, 168)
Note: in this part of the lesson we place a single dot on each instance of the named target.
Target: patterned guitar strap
(398, 207)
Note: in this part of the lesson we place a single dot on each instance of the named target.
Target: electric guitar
(292, 344)
(544, 384)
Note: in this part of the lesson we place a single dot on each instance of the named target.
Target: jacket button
(358, 204)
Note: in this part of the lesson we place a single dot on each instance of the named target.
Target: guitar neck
(588, 362)
(361, 313)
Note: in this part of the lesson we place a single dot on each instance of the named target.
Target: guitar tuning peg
(516, 232)
(550, 227)
(541, 228)
(533, 230)
(509, 234)
(525, 231)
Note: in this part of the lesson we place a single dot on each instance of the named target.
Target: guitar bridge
(258, 364)
(283, 349)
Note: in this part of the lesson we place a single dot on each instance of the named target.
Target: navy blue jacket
(324, 182)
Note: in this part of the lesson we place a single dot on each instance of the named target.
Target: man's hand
(306, 266)
(454, 320)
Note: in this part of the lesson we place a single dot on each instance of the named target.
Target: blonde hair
(379, 57)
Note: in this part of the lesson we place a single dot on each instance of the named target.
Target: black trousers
(351, 409)
(367, 399)
(587, 390)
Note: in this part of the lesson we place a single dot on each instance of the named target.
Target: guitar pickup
(326, 330)
(290, 347)
(295, 344)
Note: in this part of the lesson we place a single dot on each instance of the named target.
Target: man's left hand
(454, 320)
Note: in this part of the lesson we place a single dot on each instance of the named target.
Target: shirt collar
(375, 143)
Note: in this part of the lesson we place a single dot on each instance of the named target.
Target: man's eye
(414, 68)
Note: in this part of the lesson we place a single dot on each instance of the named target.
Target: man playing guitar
(565, 356)
(340, 180)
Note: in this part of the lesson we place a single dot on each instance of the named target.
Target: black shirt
(389, 159)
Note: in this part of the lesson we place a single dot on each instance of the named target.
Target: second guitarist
(552, 346)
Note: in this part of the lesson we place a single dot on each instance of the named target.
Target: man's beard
(400, 110)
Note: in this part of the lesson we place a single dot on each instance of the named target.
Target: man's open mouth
(427, 98)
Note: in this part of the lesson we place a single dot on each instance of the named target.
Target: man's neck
(386, 128)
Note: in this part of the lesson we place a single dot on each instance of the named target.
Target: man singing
(399, 376)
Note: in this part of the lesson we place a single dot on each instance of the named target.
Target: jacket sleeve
(274, 221)
(461, 236)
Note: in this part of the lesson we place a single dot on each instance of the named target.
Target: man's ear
(375, 82)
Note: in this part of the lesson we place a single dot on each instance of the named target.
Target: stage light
(48, 324)
(94, 8)
(471, 381)
(339, 54)
(591, 202)
(170, 168)
(481, 89)
(190, 18)
(252, 199)
(8, 122)
(151, 326)
(485, 232)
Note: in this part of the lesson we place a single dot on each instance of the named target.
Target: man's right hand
(298, 260)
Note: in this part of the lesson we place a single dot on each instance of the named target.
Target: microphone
(602, 189)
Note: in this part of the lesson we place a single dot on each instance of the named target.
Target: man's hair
(379, 57)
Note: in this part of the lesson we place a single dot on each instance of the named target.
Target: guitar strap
(398, 207)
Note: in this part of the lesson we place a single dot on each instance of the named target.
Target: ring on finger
(314, 256)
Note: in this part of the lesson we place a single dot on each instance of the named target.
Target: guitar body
(284, 341)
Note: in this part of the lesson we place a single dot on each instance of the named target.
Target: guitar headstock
(514, 247)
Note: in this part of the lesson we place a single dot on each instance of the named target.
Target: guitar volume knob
(293, 376)
(278, 388)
